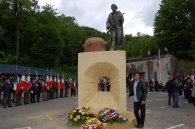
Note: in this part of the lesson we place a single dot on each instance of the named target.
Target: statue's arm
(121, 18)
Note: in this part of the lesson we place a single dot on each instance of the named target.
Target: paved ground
(52, 114)
(161, 116)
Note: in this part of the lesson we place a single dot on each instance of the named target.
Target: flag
(58, 83)
(158, 59)
(23, 78)
(62, 84)
(26, 82)
(55, 82)
(48, 82)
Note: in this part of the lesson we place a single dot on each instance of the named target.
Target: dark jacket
(169, 86)
(1, 87)
(33, 88)
(39, 88)
(66, 84)
(176, 86)
(7, 89)
(141, 90)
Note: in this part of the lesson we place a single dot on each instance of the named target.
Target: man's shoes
(139, 126)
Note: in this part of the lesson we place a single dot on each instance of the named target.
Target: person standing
(44, 91)
(138, 89)
(176, 92)
(193, 93)
(66, 88)
(73, 89)
(108, 85)
(7, 89)
(33, 92)
(169, 88)
(1, 88)
(189, 89)
(114, 25)
(156, 85)
(39, 89)
(102, 85)
(62, 88)
(151, 85)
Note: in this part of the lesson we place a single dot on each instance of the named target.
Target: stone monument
(92, 65)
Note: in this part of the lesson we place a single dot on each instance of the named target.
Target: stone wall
(149, 69)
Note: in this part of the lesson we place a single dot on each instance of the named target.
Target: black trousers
(38, 96)
(73, 92)
(26, 97)
(108, 87)
(102, 87)
(7, 101)
(48, 95)
(66, 92)
(61, 93)
(32, 97)
(18, 98)
(56, 92)
(139, 117)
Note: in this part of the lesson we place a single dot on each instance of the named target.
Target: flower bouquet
(93, 123)
(79, 116)
(111, 116)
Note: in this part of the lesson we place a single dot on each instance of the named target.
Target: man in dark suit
(138, 89)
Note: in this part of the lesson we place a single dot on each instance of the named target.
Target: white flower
(75, 119)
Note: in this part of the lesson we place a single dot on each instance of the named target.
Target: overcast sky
(138, 14)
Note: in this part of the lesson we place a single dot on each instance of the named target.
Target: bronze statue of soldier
(114, 25)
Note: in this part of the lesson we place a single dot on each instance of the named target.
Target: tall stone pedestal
(91, 67)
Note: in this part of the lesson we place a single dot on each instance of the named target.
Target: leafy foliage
(46, 39)
(174, 26)
(52, 40)
(139, 46)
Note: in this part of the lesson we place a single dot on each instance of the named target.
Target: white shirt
(134, 90)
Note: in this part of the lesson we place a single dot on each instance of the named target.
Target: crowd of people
(177, 86)
(104, 84)
(154, 85)
(28, 90)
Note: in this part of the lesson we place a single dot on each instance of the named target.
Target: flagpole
(159, 64)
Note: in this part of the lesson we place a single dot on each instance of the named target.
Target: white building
(149, 69)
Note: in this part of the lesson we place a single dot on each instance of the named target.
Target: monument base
(130, 124)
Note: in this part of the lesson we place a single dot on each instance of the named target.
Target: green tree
(46, 44)
(6, 28)
(138, 46)
(45, 38)
(174, 26)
